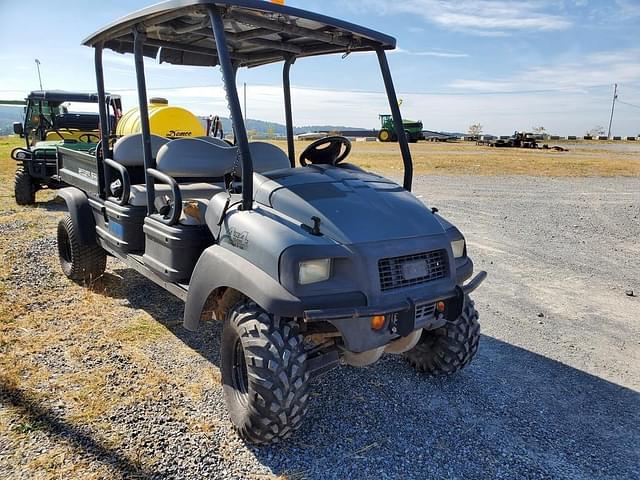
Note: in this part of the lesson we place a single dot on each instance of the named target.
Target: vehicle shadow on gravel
(512, 413)
(38, 417)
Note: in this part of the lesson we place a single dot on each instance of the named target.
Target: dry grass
(466, 158)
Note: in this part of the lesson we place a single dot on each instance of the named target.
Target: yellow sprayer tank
(164, 120)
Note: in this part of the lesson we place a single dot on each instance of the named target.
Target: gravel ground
(552, 393)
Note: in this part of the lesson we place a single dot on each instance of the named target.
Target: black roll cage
(225, 59)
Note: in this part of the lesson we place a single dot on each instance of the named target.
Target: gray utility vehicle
(304, 265)
(47, 124)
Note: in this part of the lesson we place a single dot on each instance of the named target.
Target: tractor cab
(48, 117)
(53, 118)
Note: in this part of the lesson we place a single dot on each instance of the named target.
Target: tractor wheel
(81, 263)
(264, 374)
(450, 348)
(384, 135)
(24, 188)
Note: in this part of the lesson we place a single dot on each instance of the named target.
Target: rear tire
(24, 188)
(81, 263)
(448, 349)
(264, 374)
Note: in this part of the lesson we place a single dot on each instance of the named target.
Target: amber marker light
(440, 306)
(377, 322)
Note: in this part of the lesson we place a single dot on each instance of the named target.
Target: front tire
(450, 348)
(80, 263)
(264, 374)
(24, 188)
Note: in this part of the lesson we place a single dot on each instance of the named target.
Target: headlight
(458, 248)
(313, 271)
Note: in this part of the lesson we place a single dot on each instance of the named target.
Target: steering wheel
(326, 151)
(89, 136)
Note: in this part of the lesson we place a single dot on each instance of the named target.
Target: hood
(353, 206)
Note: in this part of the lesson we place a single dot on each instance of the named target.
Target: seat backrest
(81, 121)
(195, 158)
(127, 150)
(267, 157)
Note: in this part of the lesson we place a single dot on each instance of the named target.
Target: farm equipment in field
(48, 123)
(520, 140)
(517, 140)
(387, 133)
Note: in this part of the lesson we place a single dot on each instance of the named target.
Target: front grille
(409, 270)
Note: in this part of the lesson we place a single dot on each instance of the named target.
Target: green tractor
(49, 123)
(387, 133)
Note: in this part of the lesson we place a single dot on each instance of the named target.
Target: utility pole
(613, 104)
(245, 101)
(39, 77)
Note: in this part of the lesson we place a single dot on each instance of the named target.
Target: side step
(136, 262)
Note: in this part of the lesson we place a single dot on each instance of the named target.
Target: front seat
(266, 157)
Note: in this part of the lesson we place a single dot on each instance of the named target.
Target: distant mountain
(272, 128)
(8, 115)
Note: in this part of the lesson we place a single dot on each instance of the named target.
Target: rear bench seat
(193, 162)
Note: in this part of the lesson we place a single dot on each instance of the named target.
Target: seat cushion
(127, 150)
(138, 195)
(195, 158)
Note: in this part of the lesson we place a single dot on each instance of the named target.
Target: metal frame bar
(397, 118)
(138, 47)
(103, 175)
(286, 86)
(228, 74)
(257, 21)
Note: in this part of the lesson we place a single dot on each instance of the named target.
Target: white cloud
(627, 8)
(596, 69)
(478, 17)
(441, 54)
(563, 113)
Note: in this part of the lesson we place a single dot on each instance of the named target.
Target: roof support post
(228, 74)
(397, 118)
(138, 46)
(286, 86)
(103, 175)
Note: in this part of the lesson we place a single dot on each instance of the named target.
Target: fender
(81, 214)
(218, 267)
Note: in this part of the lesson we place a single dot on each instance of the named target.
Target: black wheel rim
(240, 376)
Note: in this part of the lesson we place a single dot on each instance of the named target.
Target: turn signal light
(440, 306)
(377, 322)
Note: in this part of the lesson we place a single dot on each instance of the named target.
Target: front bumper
(403, 317)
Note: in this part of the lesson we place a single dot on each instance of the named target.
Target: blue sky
(507, 65)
